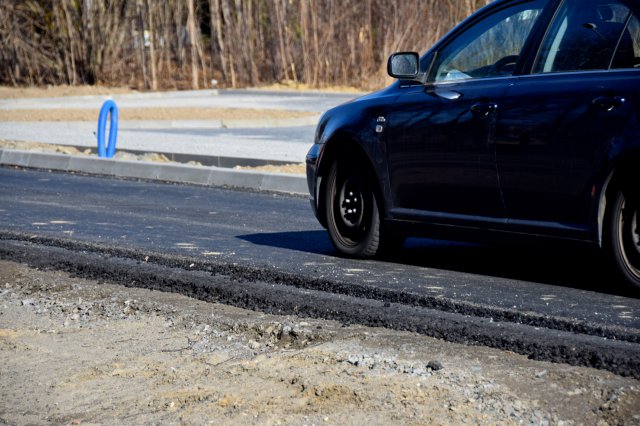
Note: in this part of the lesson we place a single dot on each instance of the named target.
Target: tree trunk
(226, 14)
(143, 55)
(191, 23)
(70, 38)
(283, 53)
(316, 47)
(201, 57)
(151, 13)
(304, 29)
(248, 39)
(178, 19)
(216, 25)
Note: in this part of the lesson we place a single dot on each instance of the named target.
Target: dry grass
(150, 156)
(296, 169)
(7, 92)
(152, 114)
(295, 85)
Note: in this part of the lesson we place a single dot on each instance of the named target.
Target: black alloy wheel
(352, 211)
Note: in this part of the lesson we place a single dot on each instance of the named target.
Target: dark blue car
(522, 121)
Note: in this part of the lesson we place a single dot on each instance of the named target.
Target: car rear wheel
(624, 235)
(352, 211)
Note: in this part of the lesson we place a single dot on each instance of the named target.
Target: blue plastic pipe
(109, 108)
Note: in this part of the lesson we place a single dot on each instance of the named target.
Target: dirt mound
(130, 355)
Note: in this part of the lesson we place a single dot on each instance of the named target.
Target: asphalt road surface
(267, 252)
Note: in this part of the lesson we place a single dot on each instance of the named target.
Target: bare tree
(151, 13)
(179, 43)
(216, 27)
(141, 44)
(192, 37)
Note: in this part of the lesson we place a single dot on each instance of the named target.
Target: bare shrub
(183, 43)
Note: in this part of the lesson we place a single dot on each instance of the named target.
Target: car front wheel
(624, 236)
(352, 211)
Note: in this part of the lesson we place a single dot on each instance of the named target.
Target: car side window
(628, 52)
(491, 47)
(590, 35)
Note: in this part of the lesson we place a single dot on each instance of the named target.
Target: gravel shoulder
(79, 351)
(153, 116)
(72, 114)
(9, 92)
(155, 157)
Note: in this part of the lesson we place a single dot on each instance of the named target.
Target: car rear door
(557, 125)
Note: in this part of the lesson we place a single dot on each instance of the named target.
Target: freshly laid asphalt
(266, 251)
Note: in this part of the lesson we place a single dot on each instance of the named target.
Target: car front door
(557, 124)
(441, 135)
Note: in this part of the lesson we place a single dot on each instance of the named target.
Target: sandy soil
(71, 150)
(294, 85)
(152, 114)
(7, 92)
(74, 351)
(151, 156)
(42, 147)
(298, 169)
(70, 114)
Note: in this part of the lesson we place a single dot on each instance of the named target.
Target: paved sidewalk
(276, 139)
(288, 144)
(281, 140)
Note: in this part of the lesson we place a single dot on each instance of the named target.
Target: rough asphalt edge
(618, 357)
(182, 173)
(244, 273)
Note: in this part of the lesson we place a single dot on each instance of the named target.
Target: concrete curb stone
(182, 173)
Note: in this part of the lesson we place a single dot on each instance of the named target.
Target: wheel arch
(623, 172)
(342, 146)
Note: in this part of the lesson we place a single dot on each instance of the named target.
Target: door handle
(483, 110)
(609, 103)
(450, 95)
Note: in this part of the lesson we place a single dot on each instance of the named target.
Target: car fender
(358, 125)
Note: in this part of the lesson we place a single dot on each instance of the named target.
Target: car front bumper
(313, 180)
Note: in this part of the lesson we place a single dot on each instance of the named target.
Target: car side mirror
(404, 65)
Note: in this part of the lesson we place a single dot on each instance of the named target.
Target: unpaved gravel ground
(296, 169)
(229, 114)
(155, 157)
(71, 150)
(74, 351)
(9, 92)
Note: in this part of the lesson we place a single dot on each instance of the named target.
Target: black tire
(623, 236)
(352, 211)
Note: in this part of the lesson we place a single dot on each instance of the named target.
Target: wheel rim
(350, 210)
(629, 236)
(350, 202)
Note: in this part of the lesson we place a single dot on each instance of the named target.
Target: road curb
(181, 173)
